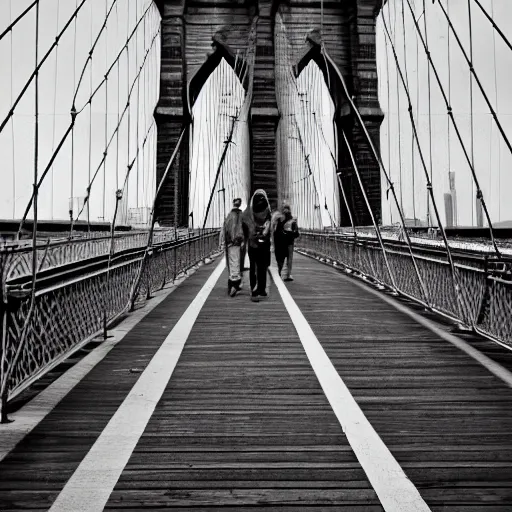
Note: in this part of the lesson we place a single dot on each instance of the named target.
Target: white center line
(395, 491)
(90, 486)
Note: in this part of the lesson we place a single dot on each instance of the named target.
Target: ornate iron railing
(75, 300)
(478, 297)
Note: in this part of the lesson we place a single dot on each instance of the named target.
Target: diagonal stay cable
(454, 273)
(115, 61)
(18, 19)
(149, 243)
(127, 106)
(457, 131)
(69, 130)
(378, 159)
(370, 211)
(39, 65)
(477, 79)
(493, 23)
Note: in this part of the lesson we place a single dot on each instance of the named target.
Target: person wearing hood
(285, 229)
(233, 236)
(256, 227)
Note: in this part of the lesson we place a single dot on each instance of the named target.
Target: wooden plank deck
(244, 424)
(445, 418)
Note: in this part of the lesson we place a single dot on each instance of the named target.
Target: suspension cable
(338, 177)
(457, 131)
(370, 211)
(29, 316)
(497, 109)
(471, 117)
(110, 140)
(454, 273)
(413, 170)
(74, 112)
(429, 89)
(378, 159)
(493, 23)
(12, 122)
(39, 65)
(389, 122)
(398, 119)
(477, 79)
(71, 130)
(18, 19)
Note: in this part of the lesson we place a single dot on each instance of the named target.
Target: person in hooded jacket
(233, 236)
(256, 227)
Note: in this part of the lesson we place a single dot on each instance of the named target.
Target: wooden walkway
(244, 424)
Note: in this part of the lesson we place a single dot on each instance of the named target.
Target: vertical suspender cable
(12, 122)
(448, 36)
(4, 384)
(389, 123)
(455, 276)
(36, 161)
(497, 110)
(127, 201)
(138, 101)
(370, 211)
(89, 164)
(378, 159)
(73, 116)
(106, 120)
(399, 124)
(471, 119)
(455, 126)
(429, 220)
(54, 110)
(413, 170)
(118, 100)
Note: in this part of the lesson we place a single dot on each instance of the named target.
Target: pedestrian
(286, 231)
(256, 226)
(233, 236)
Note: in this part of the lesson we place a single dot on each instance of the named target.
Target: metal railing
(481, 299)
(77, 299)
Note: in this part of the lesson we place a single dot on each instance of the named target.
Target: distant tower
(448, 206)
(479, 213)
(453, 194)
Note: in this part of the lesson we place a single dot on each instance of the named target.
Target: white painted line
(394, 490)
(31, 414)
(90, 486)
(495, 368)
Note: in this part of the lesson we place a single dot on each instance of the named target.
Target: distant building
(448, 207)
(453, 194)
(479, 213)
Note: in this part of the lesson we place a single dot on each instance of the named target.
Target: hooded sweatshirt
(256, 220)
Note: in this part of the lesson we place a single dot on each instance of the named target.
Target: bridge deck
(243, 421)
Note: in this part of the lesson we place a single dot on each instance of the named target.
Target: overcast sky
(58, 78)
(493, 63)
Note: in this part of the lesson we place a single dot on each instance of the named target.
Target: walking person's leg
(289, 262)
(234, 269)
(263, 264)
(252, 272)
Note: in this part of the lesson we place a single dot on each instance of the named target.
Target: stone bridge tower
(197, 33)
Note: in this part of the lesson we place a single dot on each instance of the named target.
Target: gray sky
(492, 63)
(57, 78)
(494, 68)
